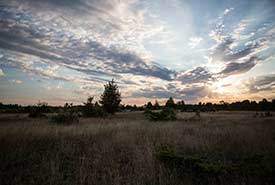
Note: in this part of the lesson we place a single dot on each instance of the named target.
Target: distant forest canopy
(246, 105)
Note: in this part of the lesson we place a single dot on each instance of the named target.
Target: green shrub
(66, 116)
(38, 110)
(93, 110)
(200, 167)
(190, 164)
(166, 114)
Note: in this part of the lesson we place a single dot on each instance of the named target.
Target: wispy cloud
(194, 42)
(227, 11)
(2, 73)
(234, 51)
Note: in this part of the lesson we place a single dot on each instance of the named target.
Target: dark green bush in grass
(190, 164)
(38, 110)
(91, 109)
(166, 114)
(67, 115)
(202, 169)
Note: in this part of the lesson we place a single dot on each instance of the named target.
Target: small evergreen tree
(111, 98)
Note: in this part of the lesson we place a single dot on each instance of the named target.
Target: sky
(61, 51)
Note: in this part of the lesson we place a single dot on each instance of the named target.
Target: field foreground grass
(218, 148)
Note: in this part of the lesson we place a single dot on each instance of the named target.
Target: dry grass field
(219, 148)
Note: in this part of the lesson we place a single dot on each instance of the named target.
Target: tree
(170, 103)
(149, 105)
(111, 98)
(156, 105)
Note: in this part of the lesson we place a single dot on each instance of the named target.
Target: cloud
(241, 27)
(88, 42)
(2, 73)
(238, 68)
(191, 93)
(194, 42)
(197, 75)
(222, 51)
(17, 81)
(261, 83)
(227, 11)
(236, 48)
(24, 34)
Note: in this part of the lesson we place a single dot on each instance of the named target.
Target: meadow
(225, 147)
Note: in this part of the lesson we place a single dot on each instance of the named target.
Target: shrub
(95, 112)
(38, 110)
(166, 114)
(67, 115)
(252, 165)
(188, 163)
(92, 110)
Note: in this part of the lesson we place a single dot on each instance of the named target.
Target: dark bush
(93, 110)
(67, 115)
(188, 163)
(166, 114)
(38, 110)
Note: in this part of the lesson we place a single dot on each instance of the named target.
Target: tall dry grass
(120, 150)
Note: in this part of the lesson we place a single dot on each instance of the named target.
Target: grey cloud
(154, 92)
(69, 52)
(197, 75)
(239, 54)
(191, 93)
(69, 10)
(76, 6)
(262, 83)
(237, 68)
(237, 58)
(223, 53)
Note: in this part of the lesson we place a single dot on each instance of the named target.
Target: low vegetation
(166, 114)
(39, 110)
(126, 148)
(91, 109)
(67, 115)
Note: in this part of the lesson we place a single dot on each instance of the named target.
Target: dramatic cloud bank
(75, 46)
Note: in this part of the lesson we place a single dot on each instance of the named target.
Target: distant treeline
(245, 105)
